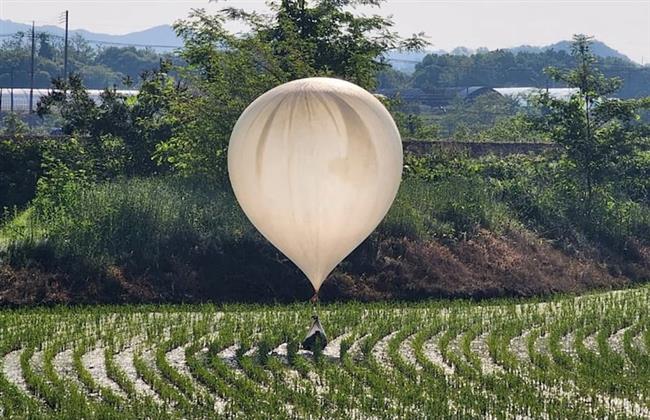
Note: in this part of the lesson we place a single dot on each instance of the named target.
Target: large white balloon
(315, 164)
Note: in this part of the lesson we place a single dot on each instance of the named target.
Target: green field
(572, 357)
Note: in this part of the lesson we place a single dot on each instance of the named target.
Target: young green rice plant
(393, 360)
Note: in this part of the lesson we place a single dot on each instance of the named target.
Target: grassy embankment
(459, 227)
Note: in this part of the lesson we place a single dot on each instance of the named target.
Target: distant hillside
(164, 35)
(159, 36)
(406, 61)
(599, 48)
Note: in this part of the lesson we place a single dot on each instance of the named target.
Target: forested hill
(99, 67)
(504, 68)
(102, 60)
(598, 47)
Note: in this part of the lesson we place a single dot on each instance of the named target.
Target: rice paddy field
(569, 358)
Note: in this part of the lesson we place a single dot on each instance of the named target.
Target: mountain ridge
(159, 37)
(405, 61)
(163, 37)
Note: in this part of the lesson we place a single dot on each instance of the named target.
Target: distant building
(522, 94)
(21, 98)
(443, 97)
(439, 97)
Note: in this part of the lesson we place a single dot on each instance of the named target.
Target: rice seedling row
(580, 357)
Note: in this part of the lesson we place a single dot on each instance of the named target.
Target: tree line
(503, 68)
(98, 66)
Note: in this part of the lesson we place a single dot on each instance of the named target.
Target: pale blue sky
(622, 24)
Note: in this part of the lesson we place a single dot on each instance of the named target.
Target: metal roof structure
(17, 99)
(438, 97)
(522, 94)
(441, 97)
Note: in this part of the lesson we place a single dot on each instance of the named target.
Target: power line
(126, 44)
(604, 66)
(96, 41)
(132, 45)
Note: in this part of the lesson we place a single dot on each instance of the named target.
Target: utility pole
(31, 82)
(65, 49)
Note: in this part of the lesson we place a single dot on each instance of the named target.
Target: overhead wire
(97, 41)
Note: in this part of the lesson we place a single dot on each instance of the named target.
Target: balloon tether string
(315, 304)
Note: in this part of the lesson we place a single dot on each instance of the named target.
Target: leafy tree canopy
(118, 128)
(501, 68)
(227, 71)
(604, 142)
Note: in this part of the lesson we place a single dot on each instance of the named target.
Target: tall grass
(454, 207)
(140, 221)
(146, 224)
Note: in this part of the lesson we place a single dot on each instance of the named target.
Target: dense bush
(121, 130)
(452, 208)
(142, 222)
(533, 191)
(139, 222)
(445, 196)
(20, 168)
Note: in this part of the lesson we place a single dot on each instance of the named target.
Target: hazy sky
(622, 24)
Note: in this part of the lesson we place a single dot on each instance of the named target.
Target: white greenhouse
(17, 99)
(521, 94)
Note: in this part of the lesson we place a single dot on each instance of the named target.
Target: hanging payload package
(316, 337)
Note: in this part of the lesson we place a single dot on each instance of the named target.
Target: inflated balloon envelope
(315, 164)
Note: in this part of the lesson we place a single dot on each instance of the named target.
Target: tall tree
(228, 71)
(45, 47)
(600, 135)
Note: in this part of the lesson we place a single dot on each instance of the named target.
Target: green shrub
(444, 196)
(14, 126)
(138, 222)
(20, 168)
